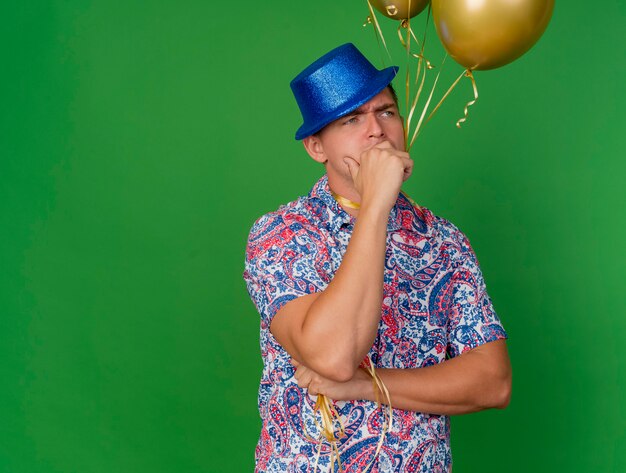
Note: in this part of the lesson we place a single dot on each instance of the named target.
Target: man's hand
(379, 173)
(314, 383)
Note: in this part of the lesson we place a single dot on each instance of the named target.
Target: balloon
(485, 34)
(399, 9)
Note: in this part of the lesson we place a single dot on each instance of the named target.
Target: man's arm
(332, 331)
(476, 380)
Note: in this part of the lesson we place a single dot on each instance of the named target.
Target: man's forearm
(341, 324)
(479, 379)
(450, 388)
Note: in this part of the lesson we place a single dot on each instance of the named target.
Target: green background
(140, 140)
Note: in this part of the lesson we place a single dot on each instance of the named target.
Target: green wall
(140, 140)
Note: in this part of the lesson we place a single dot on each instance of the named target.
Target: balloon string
(418, 93)
(330, 419)
(368, 21)
(430, 96)
(466, 73)
(425, 30)
(420, 55)
(406, 24)
(377, 30)
(444, 97)
(469, 74)
(387, 424)
(423, 65)
(407, 45)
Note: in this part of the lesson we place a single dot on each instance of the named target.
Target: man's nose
(374, 128)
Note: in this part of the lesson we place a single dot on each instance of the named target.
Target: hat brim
(383, 79)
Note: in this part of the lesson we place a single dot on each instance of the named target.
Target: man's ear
(314, 147)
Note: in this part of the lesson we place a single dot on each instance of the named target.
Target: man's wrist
(374, 211)
(366, 385)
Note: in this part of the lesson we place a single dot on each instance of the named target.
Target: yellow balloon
(399, 9)
(485, 34)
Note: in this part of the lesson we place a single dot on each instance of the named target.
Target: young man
(356, 269)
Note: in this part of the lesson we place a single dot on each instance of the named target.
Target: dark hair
(393, 93)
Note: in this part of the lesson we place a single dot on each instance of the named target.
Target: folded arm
(313, 328)
(476, 380)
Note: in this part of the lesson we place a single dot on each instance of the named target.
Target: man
(356, 269)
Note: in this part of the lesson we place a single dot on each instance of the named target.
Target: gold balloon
(399, 9)
(485, 34)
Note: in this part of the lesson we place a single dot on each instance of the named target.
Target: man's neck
(346, 191)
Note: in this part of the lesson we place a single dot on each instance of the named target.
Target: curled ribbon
(406, 24)
(469, 74)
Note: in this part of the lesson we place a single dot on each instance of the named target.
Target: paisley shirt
(434, 303)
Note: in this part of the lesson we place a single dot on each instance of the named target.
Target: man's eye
(350, 120)
(388, 113)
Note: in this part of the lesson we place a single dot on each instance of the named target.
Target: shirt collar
(326, 207)
(405, 214)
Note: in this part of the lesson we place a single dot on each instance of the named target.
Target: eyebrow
(380, 108)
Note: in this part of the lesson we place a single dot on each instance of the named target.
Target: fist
(379, 172)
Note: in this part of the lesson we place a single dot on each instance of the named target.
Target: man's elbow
(502, 392)
(499, 376)
(495, 389)
(341, 375)
(334, 368)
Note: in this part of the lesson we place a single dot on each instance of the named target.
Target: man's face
(374, 122)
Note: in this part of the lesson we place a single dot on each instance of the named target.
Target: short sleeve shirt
(435, 303)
